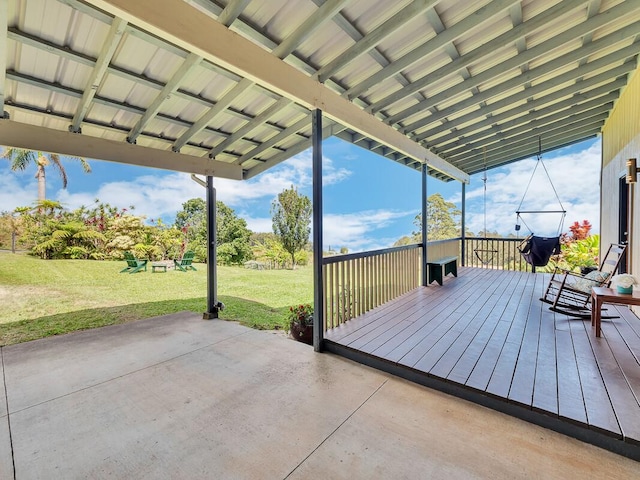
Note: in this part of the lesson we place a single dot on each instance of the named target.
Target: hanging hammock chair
(537, 250)
(483, 252)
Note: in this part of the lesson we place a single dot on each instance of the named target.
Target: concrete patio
(177, 397)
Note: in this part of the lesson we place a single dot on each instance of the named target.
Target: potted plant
(300, 323)
(624, 282)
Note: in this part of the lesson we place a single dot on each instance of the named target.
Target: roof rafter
(4, 17)
(449, 35)
(48, 140)
(558, 110)
(517, 60)
(327, 131)
(540, 71)
(181, 23)
(249, 126)
(544, 87)
(99, 70)
(232, 11)
(499, 42)
(369, 41)
(170, 87)
(529, 147)
(586, 110)
(323, 14)
(550, 132)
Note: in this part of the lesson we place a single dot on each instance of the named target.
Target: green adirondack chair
(133, 264)
(184, 264)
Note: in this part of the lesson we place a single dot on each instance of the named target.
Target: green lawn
(39, 298)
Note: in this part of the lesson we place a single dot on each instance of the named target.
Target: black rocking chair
(570, 292)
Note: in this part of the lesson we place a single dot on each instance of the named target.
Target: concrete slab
(6, 461)
(216, 400)
(45, 369)
(406, 431)
(3, 391)
(251, 407)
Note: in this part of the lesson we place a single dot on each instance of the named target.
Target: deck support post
(213, 306)
(318, 283)
(423, 269)
(463, 226)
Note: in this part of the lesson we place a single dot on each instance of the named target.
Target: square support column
(425, 280)
(318, 283)
(213, 306)
(463, 226)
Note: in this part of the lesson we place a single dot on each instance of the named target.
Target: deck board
(487, 332)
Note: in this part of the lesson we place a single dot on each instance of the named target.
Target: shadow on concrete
(246, 312)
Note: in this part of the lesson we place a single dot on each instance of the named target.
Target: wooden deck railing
(356, 283)
(494, 253)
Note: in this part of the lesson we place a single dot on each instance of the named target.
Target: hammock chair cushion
(538, 250)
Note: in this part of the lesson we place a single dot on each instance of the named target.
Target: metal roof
(225, 87)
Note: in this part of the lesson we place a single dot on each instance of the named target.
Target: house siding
(621, 141)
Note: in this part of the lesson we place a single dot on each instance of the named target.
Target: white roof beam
(373, 38)
(488, 48)
(550, 141)
(182, 24)
(99, 70)
(287, 132)
(514, 62)
(500, 134)
(4, 19)
(220, 106)
(170, 88)
(472, 21)
(327, 131)
(32, 137)
(232, 11)
(577, 92)
(323, 14)
(542, 70)
(543, 87)
(249, 126)
(306, 28)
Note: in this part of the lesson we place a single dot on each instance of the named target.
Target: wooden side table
(600, 295)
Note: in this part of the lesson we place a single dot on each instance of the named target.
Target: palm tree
(21, 159)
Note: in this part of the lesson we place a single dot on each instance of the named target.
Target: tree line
(103, 232)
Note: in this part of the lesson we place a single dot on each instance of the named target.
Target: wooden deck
(487, 337)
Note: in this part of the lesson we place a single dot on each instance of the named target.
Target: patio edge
(574, 430)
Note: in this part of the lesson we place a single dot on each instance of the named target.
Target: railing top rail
(353, 256)
(446, 240)
(498, 239)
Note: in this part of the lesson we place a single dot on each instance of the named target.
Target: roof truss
(458, 85)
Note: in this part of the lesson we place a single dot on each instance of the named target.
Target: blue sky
(369, 201)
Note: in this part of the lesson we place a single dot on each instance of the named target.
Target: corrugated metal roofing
(475, 83)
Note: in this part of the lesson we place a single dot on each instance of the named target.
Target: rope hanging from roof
(483, 252)
(535, 250)
(519, 211)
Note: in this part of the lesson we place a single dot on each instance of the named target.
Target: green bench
(438, 269)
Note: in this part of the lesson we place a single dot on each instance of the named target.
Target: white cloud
(259, 225)
(576, 178)
(356, 230)
(12, 193)
(163, 195)
(152, 195)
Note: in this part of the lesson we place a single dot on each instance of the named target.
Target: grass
(39, 298)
